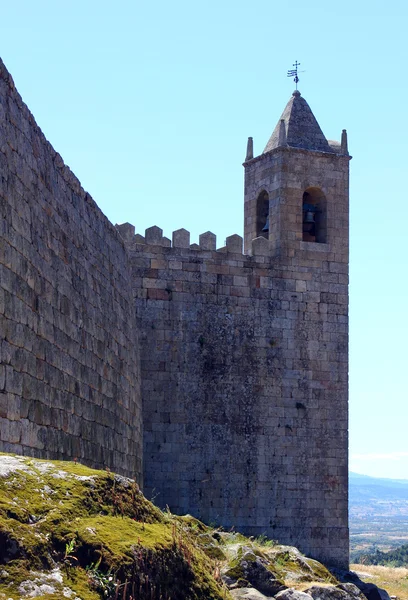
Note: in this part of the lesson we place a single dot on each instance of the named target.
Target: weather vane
(294, 72)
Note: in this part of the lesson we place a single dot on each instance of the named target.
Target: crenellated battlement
(260, 247)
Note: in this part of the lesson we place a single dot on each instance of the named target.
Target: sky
(151, 104)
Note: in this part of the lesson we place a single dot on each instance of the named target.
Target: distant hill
(363, 487)
(378, 514)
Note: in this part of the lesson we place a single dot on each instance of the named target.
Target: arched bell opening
(262, 215)
(314, 216)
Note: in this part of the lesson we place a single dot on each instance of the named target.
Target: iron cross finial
(294, 72)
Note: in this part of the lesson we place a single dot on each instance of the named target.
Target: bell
(266, 226)
(309, 216)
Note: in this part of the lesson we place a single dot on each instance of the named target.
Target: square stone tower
(244, 365)
(297, 189)
(297, 198)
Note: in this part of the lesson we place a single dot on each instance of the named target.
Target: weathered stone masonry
(69, 374)
(241, 359)
(245, 356)
(242, 420)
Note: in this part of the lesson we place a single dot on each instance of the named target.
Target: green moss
(214, 552)
(19, 572)
(113, 539)
(281, 569)
(80, 582)
(320, 572)
(291, 567)
(193, 524)
(250, 553)
(235, 572)
(102, 532)
(236, 538)
(8, 593)
(264, 542)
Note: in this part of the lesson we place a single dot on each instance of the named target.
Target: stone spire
(250, 149)
(302, 129)
(344, 145)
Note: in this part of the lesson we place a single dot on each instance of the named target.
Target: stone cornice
(291, 149)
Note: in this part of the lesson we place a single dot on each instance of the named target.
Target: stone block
(260, 247)
(127, 231)
(154, 235)
(208, 241)
(175, 264)
(14, 381)
(181, 238)
(233, 243)
(240, 281)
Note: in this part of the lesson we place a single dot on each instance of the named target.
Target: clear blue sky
(151, 104)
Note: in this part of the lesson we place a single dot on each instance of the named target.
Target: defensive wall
(240, 361)
(244, 362)
(69, 373)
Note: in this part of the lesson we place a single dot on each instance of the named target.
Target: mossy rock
(249, 566)
(211, 546)
(243, 583)
(320, 573)
(235, 572)
(195, 525)
(98, 533)
(290, 565)
(214, 552)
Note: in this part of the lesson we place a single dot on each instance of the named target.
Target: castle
(217, 378)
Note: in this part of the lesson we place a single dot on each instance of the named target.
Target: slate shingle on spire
(302, 129)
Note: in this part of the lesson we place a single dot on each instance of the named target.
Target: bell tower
(296, 191)
(297, 197)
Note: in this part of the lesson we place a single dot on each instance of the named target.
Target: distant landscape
(378, 514)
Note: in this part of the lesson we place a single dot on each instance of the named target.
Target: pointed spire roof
(301, 128)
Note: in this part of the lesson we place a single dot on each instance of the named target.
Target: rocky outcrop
(368, 590)
(291, 594)
(338, 592)
(254, 569)
(67, 531)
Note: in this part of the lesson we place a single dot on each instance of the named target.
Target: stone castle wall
(244, 386)
(240, 361)
(69, 371)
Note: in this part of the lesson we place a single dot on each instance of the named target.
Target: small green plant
(282, 559)
(69, 559)
(103, 583)
(263, 540)
(69, 548)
